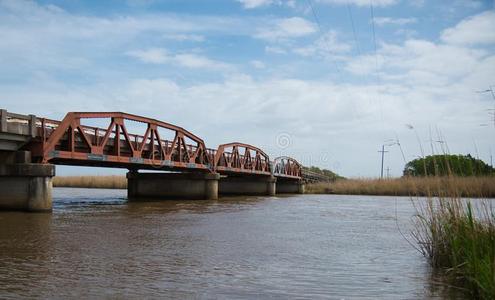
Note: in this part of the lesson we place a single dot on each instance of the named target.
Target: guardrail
(310, 176)
(17, 124)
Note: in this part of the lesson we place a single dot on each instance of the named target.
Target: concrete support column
(248, 185)
(287, 186)
(26, 187)
(302, 188)
(172, 186)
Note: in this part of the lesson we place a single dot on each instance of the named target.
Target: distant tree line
(325, 172)
(443, 165)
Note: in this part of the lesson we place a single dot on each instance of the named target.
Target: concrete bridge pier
(247, 185)
(25, 186)
(290, 186)
(141, 186)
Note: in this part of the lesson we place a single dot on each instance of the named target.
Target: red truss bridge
(122, 140)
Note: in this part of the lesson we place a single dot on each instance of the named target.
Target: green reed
(459, 239)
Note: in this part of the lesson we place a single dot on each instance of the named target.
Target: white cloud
(275, 50)
(255, 3)
(417, 3)
(258, 64)
(250, 4)
(48, 36)
(199, 62)
(45, 36)
(291, 3)
(30, 15)
(185, 37)
(364, 65)
(381, 21)
(154, 55)
(148, 90)
(360, 2)
(419, 61)
(330, 121)
(327, 44)
(188, 60)
(479, 29)
(472, 4)
(286, 28)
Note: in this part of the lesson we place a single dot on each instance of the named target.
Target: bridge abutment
(26, 187)
(248, 185)
(172, 186)
(290, 186)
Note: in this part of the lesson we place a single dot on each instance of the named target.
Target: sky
(327, 82)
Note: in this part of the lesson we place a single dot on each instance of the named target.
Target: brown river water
(95, 244)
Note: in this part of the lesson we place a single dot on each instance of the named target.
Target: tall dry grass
(101, 182)
(409, 186)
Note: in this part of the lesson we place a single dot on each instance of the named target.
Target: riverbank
(409, 186)
(95, 182)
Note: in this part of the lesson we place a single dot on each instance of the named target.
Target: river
(95, 244)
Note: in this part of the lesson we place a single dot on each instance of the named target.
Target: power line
(383, 151)
(491, 157)
(372, 16)
(491, 112)
(349, 12)
(397, 142)
(373, 30)
(328, 48)
(317, 20)
(354, 34)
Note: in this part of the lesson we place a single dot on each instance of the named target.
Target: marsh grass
(102, 182)
(458, 237)
(409, 186)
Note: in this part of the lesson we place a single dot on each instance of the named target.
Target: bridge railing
(310, 176)
(73, 141)
(96, 134)
(241, 158)
(70, 140)
(284, 166)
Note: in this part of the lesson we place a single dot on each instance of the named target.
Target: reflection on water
(312, 246)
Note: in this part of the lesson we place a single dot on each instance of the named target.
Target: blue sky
(265, 71)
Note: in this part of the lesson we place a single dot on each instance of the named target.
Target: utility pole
(492, 92)
(491, 157)
(441, 145)
(491, 112)
(383, 155)
(388, 172)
